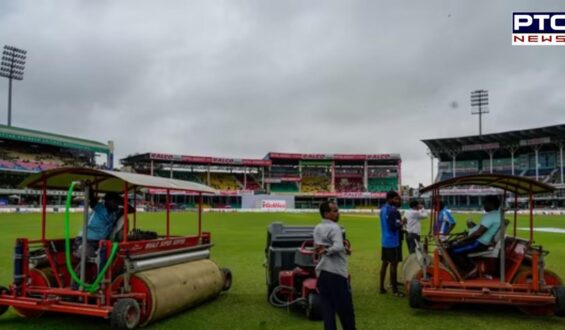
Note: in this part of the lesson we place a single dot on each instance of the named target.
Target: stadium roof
(201, 160)
(338, 157)
(38, 137)
(265, 162)
(476, 145)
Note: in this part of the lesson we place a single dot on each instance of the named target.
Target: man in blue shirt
(100, 224)
(391, 251)
(479, 237)
(444, 222)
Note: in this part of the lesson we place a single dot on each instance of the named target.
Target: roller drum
(410, 268)
(178, 287)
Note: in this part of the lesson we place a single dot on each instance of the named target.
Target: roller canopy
(515, 184)
(61, 179)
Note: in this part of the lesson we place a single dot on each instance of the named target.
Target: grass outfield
(239, 244)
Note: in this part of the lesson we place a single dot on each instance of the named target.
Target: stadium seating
(383, 184)
(5, 164)
(284, 187)
(28, 166)
(32, 160)
(181, 175)
(463, 173)
(501, 171)
(380, 172)
(349, 185)
(541, 172)
(187, 176)
(251, 184)
(315, 184)
(545, 174)
(349, 171)
(35, 156)
(220, 181)
(279, 172)
(223, 181)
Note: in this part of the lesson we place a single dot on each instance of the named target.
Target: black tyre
(126, 314)
(227, 279)
(415, 298)
(559, 293)
(314, 309)
(3, 308)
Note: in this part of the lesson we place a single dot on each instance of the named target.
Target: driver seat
(493, 250)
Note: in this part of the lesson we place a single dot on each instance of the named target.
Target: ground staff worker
(333, 277)
(391, 252)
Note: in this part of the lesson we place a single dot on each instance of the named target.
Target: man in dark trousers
(391, 252)
(333, 277)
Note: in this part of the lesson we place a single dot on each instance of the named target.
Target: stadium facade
(535, 153)
(296, 180)
(301, 180)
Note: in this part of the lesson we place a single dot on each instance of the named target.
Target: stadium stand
(20, 157)
(25, 151)
(231, 177)
(342, 177)
(535, 153)
(311, 178)
(32, 151)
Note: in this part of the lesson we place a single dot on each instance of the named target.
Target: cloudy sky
(242, 78)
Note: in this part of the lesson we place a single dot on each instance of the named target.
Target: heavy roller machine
(510, 272)
(134, 279)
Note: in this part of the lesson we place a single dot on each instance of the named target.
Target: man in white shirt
(414, 217)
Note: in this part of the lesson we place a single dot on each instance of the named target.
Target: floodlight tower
(13, 62)
(479, 101)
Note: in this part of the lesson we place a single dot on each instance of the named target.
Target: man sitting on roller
(479, 237)
(100, 224)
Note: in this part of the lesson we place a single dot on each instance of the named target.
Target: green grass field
(239, 244)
